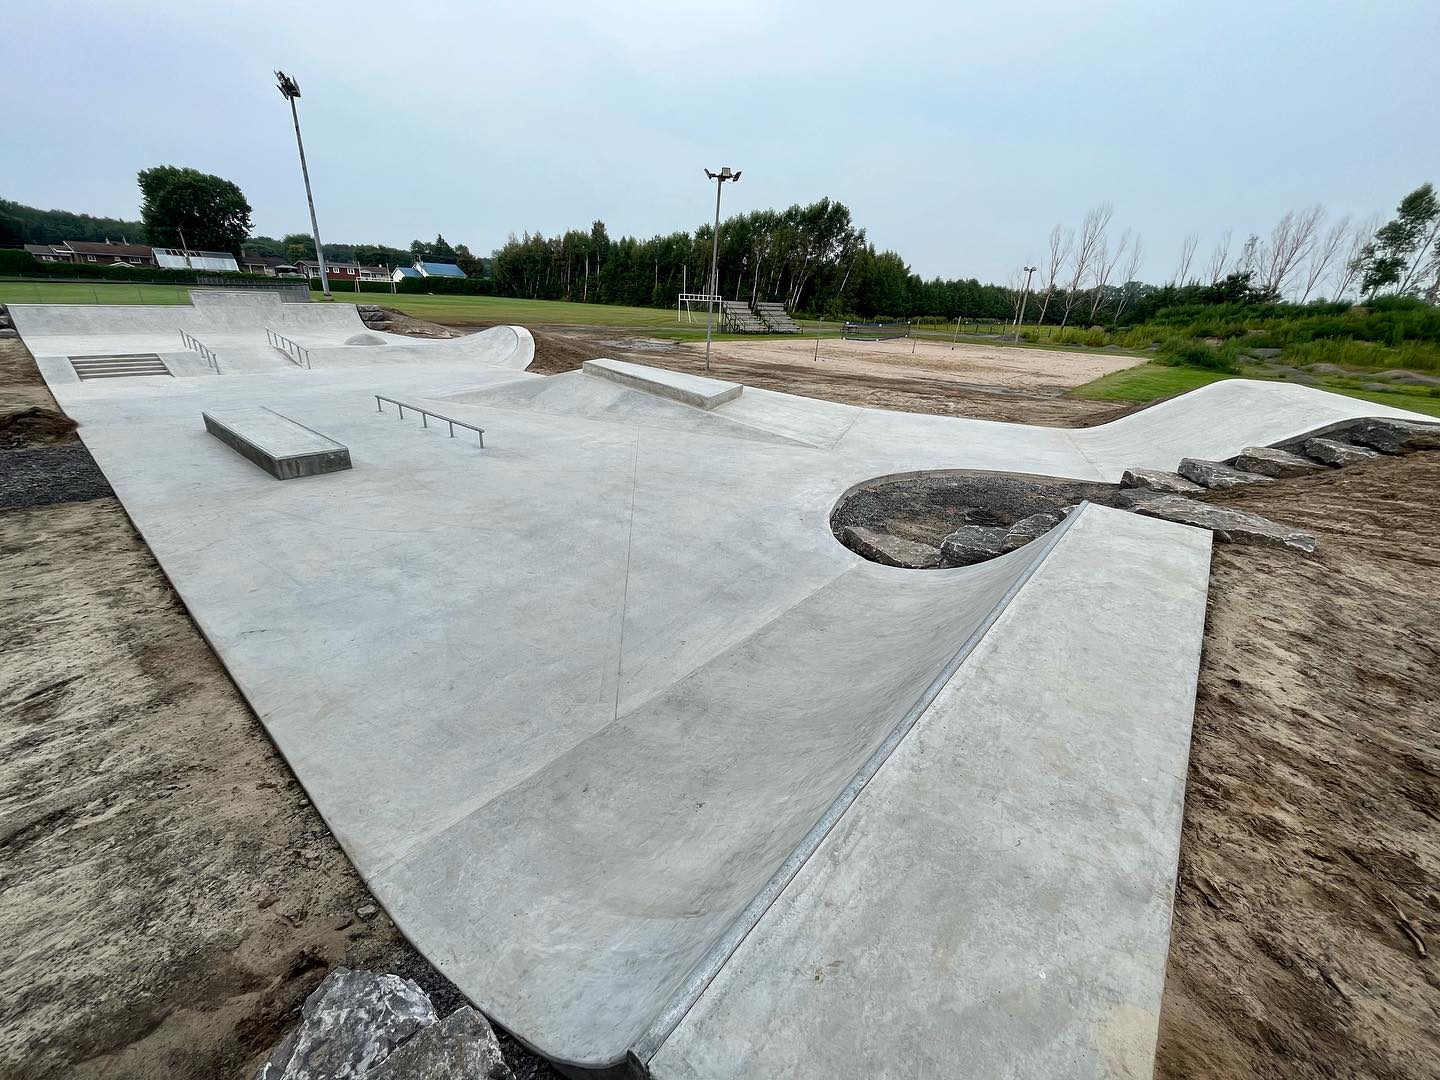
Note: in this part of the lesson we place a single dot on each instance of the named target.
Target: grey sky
(957, 133)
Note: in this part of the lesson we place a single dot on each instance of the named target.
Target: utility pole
(290, 89)
(1024, 292)
(719, 178)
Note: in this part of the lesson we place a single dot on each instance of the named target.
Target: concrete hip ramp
(659, 774)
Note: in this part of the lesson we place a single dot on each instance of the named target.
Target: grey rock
(9, 333)
(461, 1047)
(980, 515)
(1409, 378)
(1262, 354)
(6, 322)
(1027, 529)
(1129, 498)
(1168, 483)
(1267, 461)
(1212, 474)
(1377, 387)
(1228, 524)
(350, 1024)
(1338, 453)
(891, 550)
(1327, 369)
(972, 544)
(1395, 436)
(366, 912)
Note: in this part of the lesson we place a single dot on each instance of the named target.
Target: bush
(1183, 352)
(1030, 335)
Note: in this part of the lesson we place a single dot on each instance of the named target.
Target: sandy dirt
(168, 896)
(1312, 813)
(985, 381)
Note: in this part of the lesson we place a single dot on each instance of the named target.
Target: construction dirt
(989, 382)
(168, 896)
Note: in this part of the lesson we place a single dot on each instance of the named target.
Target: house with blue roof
(426, 269)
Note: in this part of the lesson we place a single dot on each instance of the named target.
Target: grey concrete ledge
(284, 448)
(696, 390)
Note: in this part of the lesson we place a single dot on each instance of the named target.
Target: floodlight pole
(719, 178)
(1024, 292)
(290, 89)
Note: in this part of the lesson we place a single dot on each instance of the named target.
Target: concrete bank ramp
(996, 900)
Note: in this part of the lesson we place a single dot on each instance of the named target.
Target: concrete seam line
(715, 958)
(625, 586)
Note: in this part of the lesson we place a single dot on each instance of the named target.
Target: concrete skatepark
(650, 766)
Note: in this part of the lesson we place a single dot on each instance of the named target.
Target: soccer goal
(685, 310)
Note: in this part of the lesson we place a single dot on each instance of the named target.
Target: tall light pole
(1024, 292)
(719, 178)
(290, 89)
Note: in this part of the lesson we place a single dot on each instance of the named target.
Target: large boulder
(890, 550)
(351, 1023)
(1027, 529)
(461, 1047)
(1338, 453)
(972, 544)
(1262, 354)
(1395, 436)
(1167, 483)
(1267, 461)
(1212, 474)
(1227, 523)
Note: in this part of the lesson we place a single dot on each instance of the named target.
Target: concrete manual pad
(605, 716)
(695, 390)
(279, 445)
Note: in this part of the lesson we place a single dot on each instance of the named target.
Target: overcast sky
(957, 133)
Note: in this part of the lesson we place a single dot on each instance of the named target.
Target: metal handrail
(425, 414)
(207, 354)
(292, 349)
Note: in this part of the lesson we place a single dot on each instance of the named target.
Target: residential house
(400, 273)
(93, 253)
(269, 265)
(438, 269)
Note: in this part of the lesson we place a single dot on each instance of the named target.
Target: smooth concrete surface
(996, 903)
(696, 390)
(571, 703)
(283, 448)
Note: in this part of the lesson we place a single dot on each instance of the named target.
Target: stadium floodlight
(290, 90)
(719, 178)
(1024, 292)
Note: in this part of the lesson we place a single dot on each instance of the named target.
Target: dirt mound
(33, 425)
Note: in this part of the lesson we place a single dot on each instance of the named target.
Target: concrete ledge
(694, 390)
(283, 448)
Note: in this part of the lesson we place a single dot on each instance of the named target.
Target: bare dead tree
(1219, 257)
(1248, 261)
(1137, 255)
(1061, 241)
(1322, 253)
(1351, 259)
(1082, 258)
(1105, 264)
(1290, 242)
(1187, 255)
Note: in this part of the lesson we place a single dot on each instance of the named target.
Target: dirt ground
(1312, 812)
(168, 896)
(985, 381)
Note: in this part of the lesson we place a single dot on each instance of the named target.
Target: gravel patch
(44, 475)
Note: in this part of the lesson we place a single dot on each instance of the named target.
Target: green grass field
(1150, 381)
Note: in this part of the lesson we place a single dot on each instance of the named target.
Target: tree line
(814, 258)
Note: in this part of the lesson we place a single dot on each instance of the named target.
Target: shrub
(448, 286)
(1184, 352)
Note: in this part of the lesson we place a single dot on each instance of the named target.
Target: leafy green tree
(211, 211)
(1398, 255)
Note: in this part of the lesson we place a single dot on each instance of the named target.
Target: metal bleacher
(739, 319)
(777, 319)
